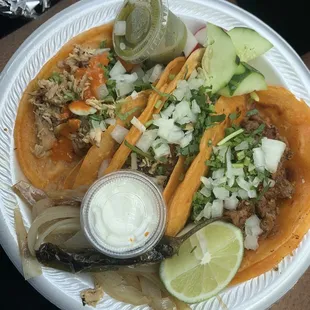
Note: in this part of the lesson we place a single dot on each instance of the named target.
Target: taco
(166, 139)
(252, 169)
(72, 107)
(98, 157)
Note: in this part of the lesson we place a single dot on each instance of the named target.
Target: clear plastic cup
(153, 32)
(123, 214)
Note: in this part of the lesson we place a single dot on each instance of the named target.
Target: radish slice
(191, 44)
(201, 36)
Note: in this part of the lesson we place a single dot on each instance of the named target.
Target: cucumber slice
(220, 60)
(240, 69)
(246, 80)
(248, 43)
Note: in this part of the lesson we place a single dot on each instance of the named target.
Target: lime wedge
(205, 264)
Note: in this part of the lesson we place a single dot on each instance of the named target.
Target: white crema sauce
(123, 214)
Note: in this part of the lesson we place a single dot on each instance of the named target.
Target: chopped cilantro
(103, 44)
(96, 117)
(158, 104)
(259, 130)
(234, 116)
(252, 112)
(137, 150)
(217, 118)
(263, 192)
(55, 77)
(139, 85)
(198, 204)
(70, 96)
(171, 77)
(124, 116)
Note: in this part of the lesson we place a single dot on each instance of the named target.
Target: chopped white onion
(134, 162)
(271, 183)
(102, 91)
(156, 73)
(138, 124)
(95, 135)
(207, 182)
(237, 171)
(206, 192)
(168, 112)
(217, 208)
(120, 28)
(206, 212)
(110, 121)
(273, 151)
(252, 193)
(103, 126)
(231, 182)
(243, 183)
(220, 193)
(134, 95)
(146, 140)
(119, 133)
(162, 150)
(219, 181)
(156, 116)
(104, 165)
(117, 69)
(218, 174)
(252, 226)
(168, 130)
(186, 140)
(195, 83)
(179, 94)
(251, 242)
(139, 71)
(126, 78)
(259, 159)
(195, 107)
(228, 164)
(256, 181)
(123, 89)
(244, 145)
(231, 203)
(193, 75)
(243, 194)
(183, 113)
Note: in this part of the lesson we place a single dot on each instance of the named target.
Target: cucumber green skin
(248, 43)
(246, 80)
(220, 60)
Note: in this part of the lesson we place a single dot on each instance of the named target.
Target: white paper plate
(281, 65)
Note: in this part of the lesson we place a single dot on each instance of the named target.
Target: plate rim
(42, 284)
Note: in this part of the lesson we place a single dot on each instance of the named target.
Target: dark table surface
(291, 21)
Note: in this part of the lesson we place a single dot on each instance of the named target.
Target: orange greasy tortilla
(88, 172)
(45, 173)
(292, 118)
